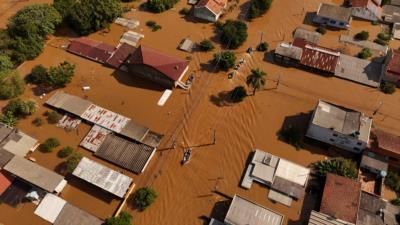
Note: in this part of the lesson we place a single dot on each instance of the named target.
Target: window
(332, 22)
(359, 143)
(331, 139)
(357, 149)
(341, 24)
(335, 135)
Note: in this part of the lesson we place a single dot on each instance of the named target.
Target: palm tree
(256, 79)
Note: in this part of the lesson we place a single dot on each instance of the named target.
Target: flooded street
(187, 194)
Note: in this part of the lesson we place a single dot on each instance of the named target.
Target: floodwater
(188, 194)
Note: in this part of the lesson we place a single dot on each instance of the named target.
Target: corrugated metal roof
(5, 157)
(34, 173)
(318, 218)
(120, 55)
(69, 103)
(103, 177)
(50, 207)
(335, 12)
(91, 49)
(72, 215)
(127, 154)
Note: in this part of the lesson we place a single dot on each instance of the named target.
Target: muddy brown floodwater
(187, 193)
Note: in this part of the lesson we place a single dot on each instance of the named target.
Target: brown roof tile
(394, 64)
(341, 198)
(216, 6)
(384, 140)
(120, 55)
(91, 49)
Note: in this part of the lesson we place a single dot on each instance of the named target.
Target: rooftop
(317, 57)
(103, 177)
(245, 212)
(5, 157)
(171, 66)
(71, 215)
(6, 180)
(370, 160)
(289, 50)
(34, 174)
(334, 12)
(292, 172)
(318, 218)
(91, 49)
(341, 198)
(70, 103)
(120, 55)
(393, 66)
(342, 120)
(215, 6)
(384, 140)
(129, 155)
(370, 205)
(310, 36)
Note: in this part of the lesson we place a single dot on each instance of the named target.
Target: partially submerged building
(35, 174)
(339, 126)
(243, 212)
(333, 16)
(114, 137)
(209, 10)
(16, 142)
(57, 211)
(366, 9)
(341, 198)
(391, 68)
(285, 179)
(103, 177)
(308, 35)
(385, 144)
(156, 66)
(91, 49)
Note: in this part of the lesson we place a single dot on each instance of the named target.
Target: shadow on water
(130, 79)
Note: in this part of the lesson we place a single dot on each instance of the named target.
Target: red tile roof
(120, 55)
(317, 57)
(393, 66)
(171, 66)
(215, 6)
(91, 49)
(364, 3)
(6, 180)
(384, 140)
(341, 198)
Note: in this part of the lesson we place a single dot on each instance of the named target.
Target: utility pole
(214, 137)
(378, 108)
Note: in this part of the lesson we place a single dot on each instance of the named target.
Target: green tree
(34, 20)
(234, 33)
(387, 87)
(144, 197)
(123, 218)
(25, 48)
(392, 180)
(8, 119)
(52, 117)
(158, 6)
(256, 80)
(5, 63)
(258, 8)
(61, 75)
(49, 144)
(38, 75)
(11, 84)
(72, 162)
(20, 108)
(238, 94)
(65, 152)
(340, 166)
(262, 47)
(363, 35)
(206, 45)
(64, 7)
(365, 53)
(225, 59)
(87, 16)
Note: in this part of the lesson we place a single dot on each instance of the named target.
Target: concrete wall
(334, 138)
(151, 74)
(205, 14)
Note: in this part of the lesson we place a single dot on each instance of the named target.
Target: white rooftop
(264, 166)
(103, 177)
(50, 207)
(292, 172)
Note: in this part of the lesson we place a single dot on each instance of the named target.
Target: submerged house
(391, 70)
(366, 9)
(210, 10)
(339, 126)
(387, 145)
(333, 16)
(158, 67)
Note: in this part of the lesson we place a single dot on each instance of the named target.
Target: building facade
(333, 16)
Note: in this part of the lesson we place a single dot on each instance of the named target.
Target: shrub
(158, 6)
(20, 108)
(53, 117)
(392, 180)
(72, 162)
(61, 75)
(37, 122)
(8, 119)
(87, 16)
(38, 75)
(5, 63)
(387, 87)
(365, 53)
(144, 197)
(184, 11)
(395, 201)
(123, 218)
(321, 30)
(381, 42)
(363, 35)
(206, 45)
(156, 27)
(11, 85)
(384, 36)
(262, 47)
(258, 8)
(151, 23)
(65, 152)
(225, 60)
(234, 33)
(238, 94)
(340, 166)
(49, 145)
(291, 135)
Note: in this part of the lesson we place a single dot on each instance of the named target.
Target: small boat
(186, 156)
